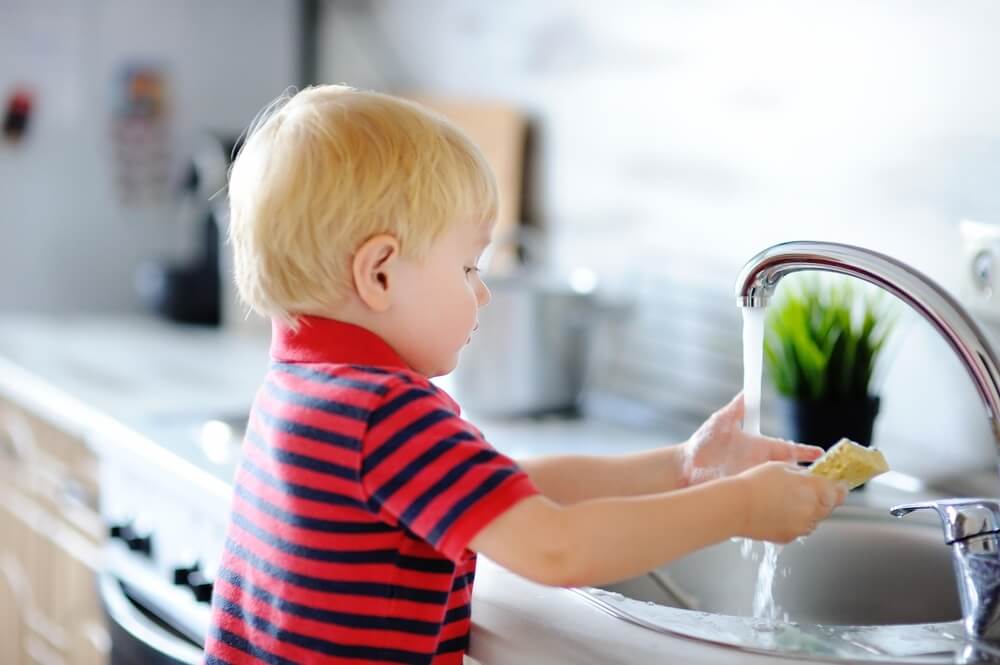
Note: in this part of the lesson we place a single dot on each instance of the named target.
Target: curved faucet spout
(761, 274)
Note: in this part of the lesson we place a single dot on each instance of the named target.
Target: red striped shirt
(359, 488)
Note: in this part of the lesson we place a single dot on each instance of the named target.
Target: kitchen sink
(864, 586)
(859, 567)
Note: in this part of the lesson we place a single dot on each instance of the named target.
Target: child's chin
(446, 367)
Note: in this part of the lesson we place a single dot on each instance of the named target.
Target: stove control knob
(201, 586)
(142, 543)
(183, 573)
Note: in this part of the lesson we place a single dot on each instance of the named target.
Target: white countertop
(130, 381)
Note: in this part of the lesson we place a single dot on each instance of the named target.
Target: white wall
(721, 127)
(66, 244)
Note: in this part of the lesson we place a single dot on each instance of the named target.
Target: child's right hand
(785, 503)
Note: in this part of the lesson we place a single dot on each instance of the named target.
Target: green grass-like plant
(823, 338)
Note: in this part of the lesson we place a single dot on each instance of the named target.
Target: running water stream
(753, 360)
(764, 606)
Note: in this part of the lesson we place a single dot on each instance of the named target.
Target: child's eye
(471, 269)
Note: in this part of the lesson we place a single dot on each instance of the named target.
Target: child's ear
(372, 269)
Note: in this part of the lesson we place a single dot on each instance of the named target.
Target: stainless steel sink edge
(826, 644)
(937, 642)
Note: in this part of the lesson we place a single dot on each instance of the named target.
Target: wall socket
(981, 269)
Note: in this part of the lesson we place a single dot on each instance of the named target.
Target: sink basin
(859, 567)
(863, 587)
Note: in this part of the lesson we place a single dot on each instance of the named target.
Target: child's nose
(483, 294)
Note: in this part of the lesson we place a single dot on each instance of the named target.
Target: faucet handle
(962, 518)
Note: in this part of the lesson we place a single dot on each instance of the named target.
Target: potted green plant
(823, 340)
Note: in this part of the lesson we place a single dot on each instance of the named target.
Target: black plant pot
(823, 423)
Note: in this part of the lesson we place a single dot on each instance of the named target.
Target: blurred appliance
(980, 287)
(189, 291)
(142, 631)
(167, 523)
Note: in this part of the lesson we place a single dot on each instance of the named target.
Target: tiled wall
(716, 129)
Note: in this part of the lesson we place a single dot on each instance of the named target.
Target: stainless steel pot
(528, 356)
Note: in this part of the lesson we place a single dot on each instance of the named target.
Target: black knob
(200, 586)
(182, 574)
(142, 544)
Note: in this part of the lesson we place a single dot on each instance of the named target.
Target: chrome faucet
(972, 526)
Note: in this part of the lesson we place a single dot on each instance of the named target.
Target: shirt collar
(331, 341)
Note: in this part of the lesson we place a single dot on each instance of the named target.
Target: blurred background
(645, 150)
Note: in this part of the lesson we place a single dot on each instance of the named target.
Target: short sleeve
(428, 470)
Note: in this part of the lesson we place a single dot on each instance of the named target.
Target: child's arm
(572, 478)
(717, 449)
(604, 540)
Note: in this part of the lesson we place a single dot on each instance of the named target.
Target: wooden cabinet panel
(91, 644)
(50, 533)
(12, 605)
(58, 469)
(15, 588)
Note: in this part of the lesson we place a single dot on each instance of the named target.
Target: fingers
(806, 453)
(842, 491)
(831, 494)
(787, 451)
(735, 409)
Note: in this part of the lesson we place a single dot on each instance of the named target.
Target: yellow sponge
(850, 463)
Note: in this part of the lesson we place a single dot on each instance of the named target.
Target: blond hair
(322, 171)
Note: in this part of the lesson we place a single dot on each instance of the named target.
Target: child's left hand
(720, 447)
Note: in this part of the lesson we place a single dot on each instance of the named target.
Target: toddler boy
(362, 497)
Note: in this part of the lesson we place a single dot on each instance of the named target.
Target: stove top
(210, 443)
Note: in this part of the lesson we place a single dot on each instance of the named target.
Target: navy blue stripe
(310, 523)
(373, 589)
(347, 619)
(455, 644)
(458, 613)
(313, 553)
(322, 377)
(396, 403)
(402, 437)
(390, 487)
(301, 491)
(300, 460)
(215, 660)
(319, 645)
(447, 480)
(236, 642)
(472, 497)
(460, 583)
(373, 369)
(426, 565)
(317, 434)
(325, 405)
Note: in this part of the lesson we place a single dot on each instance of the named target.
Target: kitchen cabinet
(14, 592)
(50, 535)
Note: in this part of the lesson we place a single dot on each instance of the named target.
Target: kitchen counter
(151, 385)
(144, 387)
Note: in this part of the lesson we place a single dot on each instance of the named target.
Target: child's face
(439, 299)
